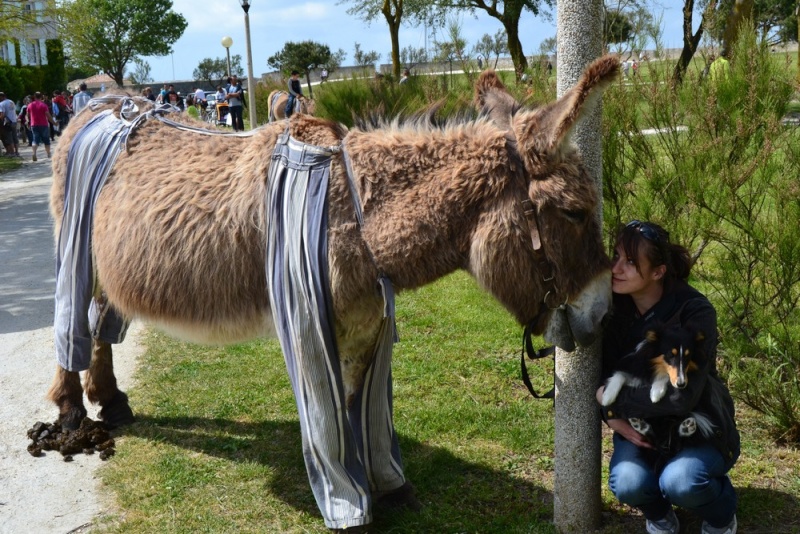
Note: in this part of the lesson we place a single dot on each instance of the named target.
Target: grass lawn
(9, 164)
(217, 445)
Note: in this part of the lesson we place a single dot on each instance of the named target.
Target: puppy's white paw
(687, 427)
(640, 425)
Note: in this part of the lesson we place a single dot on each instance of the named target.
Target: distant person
(235, 96)
(200, 98)
(404, 76)
(719, 69)
(63, 110)
(23, 121)
(221, 94)
(480, 63)
(40, 120)
(8, 116)
(323, 76)
(295, 93)
(81, 98)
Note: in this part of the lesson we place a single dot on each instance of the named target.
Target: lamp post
(251, 95)
(227, 42)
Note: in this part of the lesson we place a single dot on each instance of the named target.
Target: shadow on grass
(760, 511)
(457, 495)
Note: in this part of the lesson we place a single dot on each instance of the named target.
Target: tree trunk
(576, 489)
(393, 20)
(690, 41)
(742, 10)
(515, 46)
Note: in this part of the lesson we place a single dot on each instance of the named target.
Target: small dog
(666, 356)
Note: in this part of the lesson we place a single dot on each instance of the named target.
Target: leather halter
(542, 264)
(548, 277)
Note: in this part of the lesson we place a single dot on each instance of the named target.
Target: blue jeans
(694, 479)
(289, 106)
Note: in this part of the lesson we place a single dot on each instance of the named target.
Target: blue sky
(273, 23)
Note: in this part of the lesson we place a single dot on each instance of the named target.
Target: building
(30, 39)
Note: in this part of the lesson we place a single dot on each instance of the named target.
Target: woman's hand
(623, 427)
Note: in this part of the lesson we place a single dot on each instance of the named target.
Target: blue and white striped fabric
(78, 317)
(349, 452)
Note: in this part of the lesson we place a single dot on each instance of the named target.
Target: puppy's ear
(651, 336)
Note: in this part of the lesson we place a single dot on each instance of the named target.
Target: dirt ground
(43, 494)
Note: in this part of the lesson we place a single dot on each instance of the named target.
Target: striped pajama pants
(78, 316)
(349, 451)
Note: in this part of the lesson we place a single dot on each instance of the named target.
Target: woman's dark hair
(657, 249)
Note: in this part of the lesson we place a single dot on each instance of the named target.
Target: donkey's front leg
(67, 394)
(101, 387)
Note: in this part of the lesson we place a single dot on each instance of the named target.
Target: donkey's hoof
(117, 412)
(71, 420)
(402, 497)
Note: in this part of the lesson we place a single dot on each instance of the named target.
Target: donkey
(276, 105)
(185, 242)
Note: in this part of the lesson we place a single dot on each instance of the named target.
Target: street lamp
(227, 42)
(251, 95)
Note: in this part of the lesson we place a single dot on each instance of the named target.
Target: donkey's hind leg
(101, 387)
(67, 394)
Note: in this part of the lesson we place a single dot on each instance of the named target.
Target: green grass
(217, 445)
(9, 164)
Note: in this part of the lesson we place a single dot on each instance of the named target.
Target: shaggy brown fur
(278, 111)
(179, 237)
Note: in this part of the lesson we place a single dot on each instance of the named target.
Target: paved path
(37, 495)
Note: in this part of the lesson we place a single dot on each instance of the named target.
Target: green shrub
(721, 175)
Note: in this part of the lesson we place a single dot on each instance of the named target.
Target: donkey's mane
(429, 119)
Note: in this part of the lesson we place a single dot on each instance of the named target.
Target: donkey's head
(308, 105)
(569, 274)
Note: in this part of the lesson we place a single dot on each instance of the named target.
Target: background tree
(630, 26)
(617, 28)
(365, 59)
(140, 75)
(508, 17)
(396, 13)
(107, 34)
(14, 18)
(299, 56)
(411, 56)
(305, 56)
(54, 75)
(692, 40)
(215, 70)
(489, 47)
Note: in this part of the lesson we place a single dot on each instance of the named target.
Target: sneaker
(668, 525)
(34, 157)
(730, 528)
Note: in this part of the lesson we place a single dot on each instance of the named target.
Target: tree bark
(690, 41)
(741, 11)
(515, 46)
(393, 20)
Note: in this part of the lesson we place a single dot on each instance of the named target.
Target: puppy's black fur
(666, 356)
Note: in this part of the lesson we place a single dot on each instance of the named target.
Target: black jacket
(705, 392)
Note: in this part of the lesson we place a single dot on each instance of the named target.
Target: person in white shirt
(200, 98)
(80, 99)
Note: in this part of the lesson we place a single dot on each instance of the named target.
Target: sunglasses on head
(646, 229)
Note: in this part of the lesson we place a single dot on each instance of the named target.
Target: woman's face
(627, 280)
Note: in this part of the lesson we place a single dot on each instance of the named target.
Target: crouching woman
(649, 277)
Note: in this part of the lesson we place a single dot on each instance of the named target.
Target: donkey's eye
(577, 216)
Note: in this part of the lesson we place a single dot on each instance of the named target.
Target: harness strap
(533, 354)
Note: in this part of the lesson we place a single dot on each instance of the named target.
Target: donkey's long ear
(493, 99)
(557, 120)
